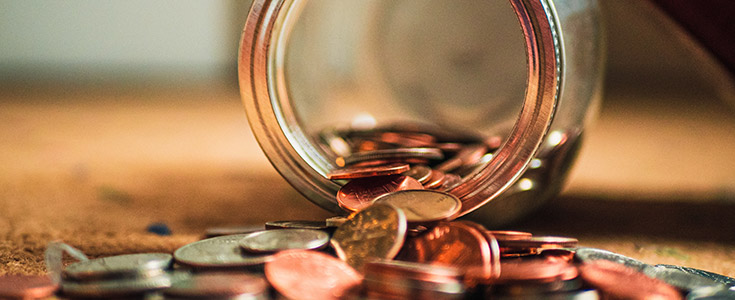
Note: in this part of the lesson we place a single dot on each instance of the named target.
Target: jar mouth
(298, 157)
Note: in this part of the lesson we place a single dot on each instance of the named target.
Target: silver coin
(681, 279)
(576, 295)
(220, 285)
(399, 153)
(592, 254)
(114, 288)
(421, 173)
(130, 265)
(729, 281)
(296, 224)
(220, 231)
(218, 252)
(284, 239)
(711, 293)
(336, 221)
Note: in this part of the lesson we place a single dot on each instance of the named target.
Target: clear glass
(460, 65)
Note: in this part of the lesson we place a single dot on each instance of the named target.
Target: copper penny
(436, 180)
(423, 206)
(450, 181)
(461, 244)
(216, 284)
(407, 280)
(26, 286)
(504, 235)
(536, 243)
(362, 172)
(421, 173)
(399, 153)
(616, 281)
(380, 162)
(300, 274)
(360, 193)
(469, 155)
(376, 232)
(538, 270)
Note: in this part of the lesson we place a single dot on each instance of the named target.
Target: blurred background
(116, 114)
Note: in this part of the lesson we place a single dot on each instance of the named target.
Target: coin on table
(728, 281)
(362, 172)
(218, 252)
(392, 279)
(616, 281)
(301, 274)
(681, 279)
(296, 224)
(129, 265)
(376, 232)
(393, 154)
(115, 287)
(450, 181)
(461, 244)
(423, 206)
(217, 285)
(284, 239)
(360, 193)
(220, 231)
(436, 180)
(422, 173)
(535, 244)
(592, 254)
(336, 221)
(711, 293)
(503, 235)
(26, 286)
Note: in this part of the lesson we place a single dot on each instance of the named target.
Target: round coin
(220, 231)
(392, 154)
(436, 180)
(504, 235)
(129, 265)
(26, 287)
(586, 255)
(423, 206)
(376, 232)
(115, 288)
(217, 284)
(297, 224)
(362, 172)
(616, 281)
(422, 173)
(284, 239)
(300, 274)
(539, 242)
(336, 221)
(218, 252)
(360, 193)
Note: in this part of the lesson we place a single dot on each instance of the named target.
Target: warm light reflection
(364, 121)
(525, 184)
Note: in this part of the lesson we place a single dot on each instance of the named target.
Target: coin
(405, 280)
(711, 293)
(460, 244)
(681, 279)
(376, 232)
(536, 243)
(728, 281)
(115, 288)
(399, 153)
(218, 252)
(220, 231)
(362, 172)
(423, 206)
(436, 180)
(297, 224)
(616, 281)
(284, 239)
(591, 254)
(360, 193)
(129, 265)
(336, 221)
(300, 274)
(26, 286)
(504, 235)
(217, 284)
(541, 270)
(470, 154)
(450, 181)
(421, 173)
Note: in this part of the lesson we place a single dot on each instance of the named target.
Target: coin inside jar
(392, 154)
(284, 239)
(300, 274)
(421, 173)
(360, 193)
(423, 206)
(376, 232)
(362, 172)
(129, 265)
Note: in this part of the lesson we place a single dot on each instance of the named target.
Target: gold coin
(376, 232)
(423, 206)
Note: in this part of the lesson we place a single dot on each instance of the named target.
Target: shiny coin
(461, 244)
(130, 265)
(362, 172)
(218, 252)
(26, 287)
(469, 155)
(217, 285)
(436, 180)
(586, 255)
(392, 154)
(220, 231)
(115, 288)
(616, 281)
(284, 239)
(360, 193)
(299, 274)
(423, 206)
(450, 181)
(728, 281)
(406, 280)
(376, 232)
(421, 173)
(681, 279)
(711, 293)
(296, 224)
(504, 235)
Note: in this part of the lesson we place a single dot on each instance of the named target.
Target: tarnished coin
(360, 193)
(393, 154)
(300, 274)
(297, 224)
(461, 244)
(616, 281)
(115, 288)
(376, 232)
(26, 287)
(218, 252)
(284, 239)
(586, 255)
(421, 173)
(423, 206)
(220, 231)
(127, 266)
(681, 279)
(728, 281)
(217, 285)
(362, 172)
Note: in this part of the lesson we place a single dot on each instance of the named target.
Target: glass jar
(462, 66)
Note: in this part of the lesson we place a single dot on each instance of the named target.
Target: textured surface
(94, 167)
